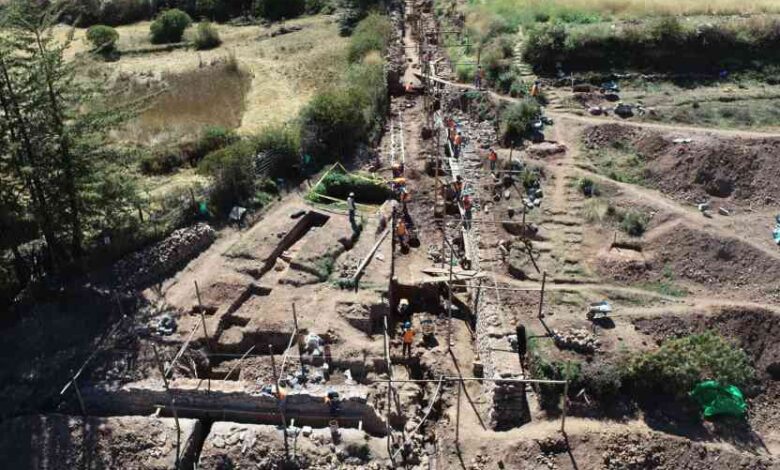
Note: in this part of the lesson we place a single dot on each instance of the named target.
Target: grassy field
(518, 12)
(278, 75)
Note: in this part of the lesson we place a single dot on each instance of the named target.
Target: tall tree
(54, 147)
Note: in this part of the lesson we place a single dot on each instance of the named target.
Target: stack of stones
(157, 261)
(578, 340)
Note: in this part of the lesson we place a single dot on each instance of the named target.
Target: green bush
(371, 34)
(276, 10)
(207, 37)
(169, 26)
(588, 187)
(282, 141)
(516, 121)
(332, 125)
(367, 191)
(682, 362)
(216, 10)
(102, 37)
(161, 161)
(542, 369)
(603, 381)
(213, 138)
(233, 171)
(634, 223)
(319, 6)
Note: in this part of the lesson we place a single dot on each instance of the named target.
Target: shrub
(233, 171)
(283, 142)
(595, 210)
(169, 26)
(332, 125)
(634, 223)
(371, 34)
(543, 369)
(213, 138)
(162, 161)
(516, 120)
(367, 190)
(588, 187)
(207, 36)
(682, 362)
(276, 10)
(102, 37)
(318, 6)
(603, 381)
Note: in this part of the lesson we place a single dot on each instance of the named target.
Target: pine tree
(54, 147)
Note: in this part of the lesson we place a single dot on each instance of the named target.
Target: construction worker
(536, 89)
(492, 158)
(467, 212)
(457, 142)
(457, 187)
(479, 77)
(408, 338)
(402, 233)
(352, 208)
(398, 170)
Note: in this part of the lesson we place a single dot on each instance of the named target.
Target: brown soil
(740, 169)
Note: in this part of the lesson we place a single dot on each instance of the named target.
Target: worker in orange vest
(408, 338)
(400, 231)
(467, 212)
(405, 197)
(492, 158)
(457, 142)
(536, 88)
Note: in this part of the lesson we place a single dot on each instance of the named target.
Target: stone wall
(233, 400)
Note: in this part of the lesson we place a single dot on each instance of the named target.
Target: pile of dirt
(697, 167)
(714, 262)
(755, 331)
(635, 451)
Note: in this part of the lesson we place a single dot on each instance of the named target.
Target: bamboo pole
(239, 362)
(541, 296)
(457, 414)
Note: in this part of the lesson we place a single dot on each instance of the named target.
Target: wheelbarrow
(599, 310)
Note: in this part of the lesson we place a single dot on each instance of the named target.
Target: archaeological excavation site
(419, 234)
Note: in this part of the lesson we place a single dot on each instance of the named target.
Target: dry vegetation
(265, 80)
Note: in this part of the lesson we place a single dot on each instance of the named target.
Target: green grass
(619, 162)
(666, 285)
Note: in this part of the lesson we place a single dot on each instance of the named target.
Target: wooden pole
(565, 406)
(239, 362)
(297, 333)
(457, 414)
(173, 404)
(202, 316)
(541, 296)
(449, 307)
(81, 400)
(279, 400)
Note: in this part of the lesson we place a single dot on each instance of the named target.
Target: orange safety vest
(492, 156)
(466, 204)
(409, 336)
(458, 139)
(401, 229)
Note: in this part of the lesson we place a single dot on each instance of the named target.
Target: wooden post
(565, 402)
(173, 404)
(457, 414)
(279, 399)
(298, 339)
(202, 316)
(541, 296)
(81, 400)
(449, 307)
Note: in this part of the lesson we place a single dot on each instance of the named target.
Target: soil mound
(697, 167)
(714, 262)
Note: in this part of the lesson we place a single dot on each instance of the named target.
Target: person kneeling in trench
(408, 337)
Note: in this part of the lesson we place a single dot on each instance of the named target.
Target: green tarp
(718, 400)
